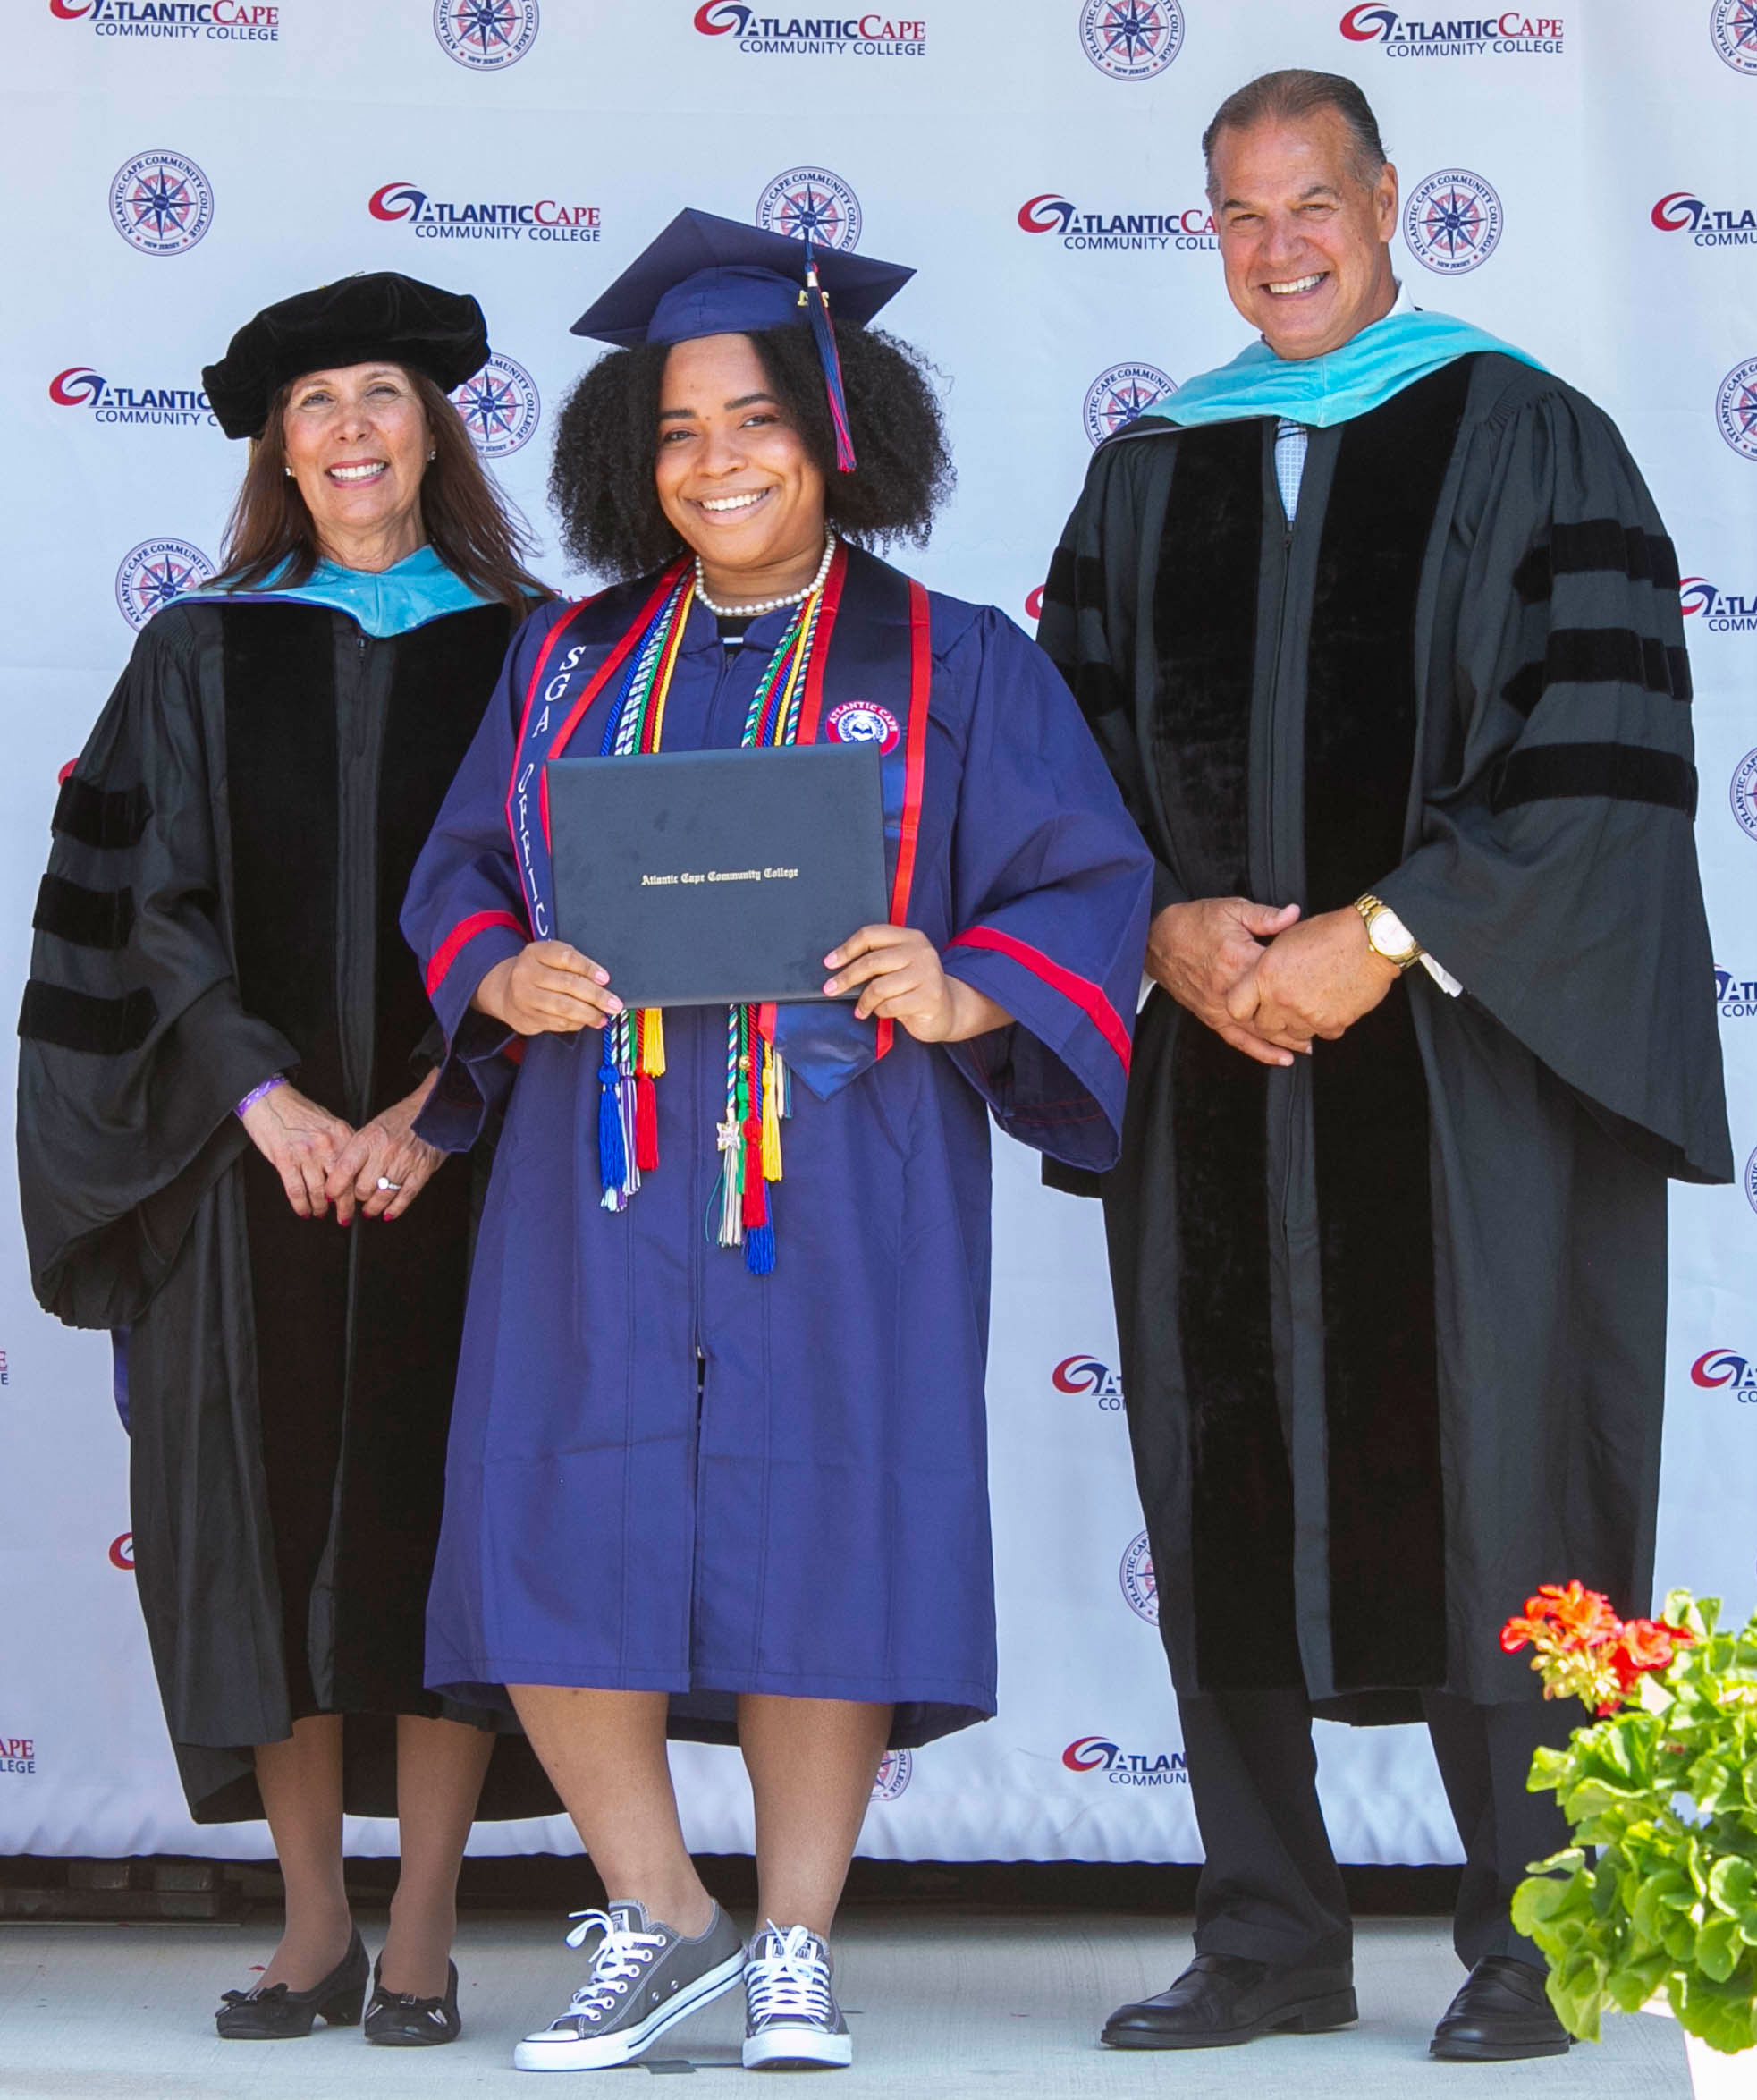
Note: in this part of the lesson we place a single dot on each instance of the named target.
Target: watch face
(1389, 935)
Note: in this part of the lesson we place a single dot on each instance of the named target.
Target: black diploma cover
(700, 878)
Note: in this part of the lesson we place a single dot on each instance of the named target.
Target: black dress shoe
(1222, 1998)
(403, 2022)
(277, 2013)
(1501, 2014)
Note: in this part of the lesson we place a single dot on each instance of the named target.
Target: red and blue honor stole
(854, 665)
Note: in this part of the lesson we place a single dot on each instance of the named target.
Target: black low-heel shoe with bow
(401, 2022)
(278, 2014)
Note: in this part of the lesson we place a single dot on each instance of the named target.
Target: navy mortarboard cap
(354, 321)
(712, 276)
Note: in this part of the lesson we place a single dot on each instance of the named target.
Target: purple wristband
(257, 1093)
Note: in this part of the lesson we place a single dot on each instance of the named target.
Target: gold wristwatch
(1386, 933)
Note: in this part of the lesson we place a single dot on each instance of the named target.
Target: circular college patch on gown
(1452, 221)
(154, 573)
(863, 721)
(1131, 39)
(811, 204)
(499, 406)
(161, 203)
(1140, 1587)
(485, 35)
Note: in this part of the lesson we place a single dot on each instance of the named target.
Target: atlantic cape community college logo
(1744, 792)
(1140, 1587)
(154, 573)
(215, 21)
(122, 1552)
(1452, 221)
(1512, 33)
(1721, 612)
(872, 35)
(1734, 999)
(1732, 28)
(811, 204)
(1722, 1369)
(896, 1769)
(1192, 228)
(1751, 1181)
(1131, 39)
(1086, 1374)
(499, 406)
(1707, 225)
(161, 203)
(18, 1756)
(863, 721)
(1119, 395)
(434, 218)
(1735, 409)
(1121, 1767)
(107, 401)
(485, 35)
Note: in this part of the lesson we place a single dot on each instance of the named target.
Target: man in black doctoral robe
(1378, 629)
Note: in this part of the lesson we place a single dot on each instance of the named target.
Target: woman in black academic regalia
(222, 1052)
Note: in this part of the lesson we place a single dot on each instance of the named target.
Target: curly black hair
(601, 479)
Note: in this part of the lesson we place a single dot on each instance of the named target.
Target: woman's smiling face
(734, 476)
(356, 441)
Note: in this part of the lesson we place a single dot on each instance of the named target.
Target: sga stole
(854, 665)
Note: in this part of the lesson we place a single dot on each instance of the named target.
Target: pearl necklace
(759, 605)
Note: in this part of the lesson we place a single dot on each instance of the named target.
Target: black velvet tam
(378, 314)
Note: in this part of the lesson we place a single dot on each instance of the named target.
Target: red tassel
(755, 1189)
(647, 1125)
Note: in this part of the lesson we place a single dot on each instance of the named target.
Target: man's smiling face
(1304, 230)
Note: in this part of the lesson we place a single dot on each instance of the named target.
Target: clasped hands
(549, 988)
(323, 1160)
(1265, 980)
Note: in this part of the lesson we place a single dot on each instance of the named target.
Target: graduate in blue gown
(717, 1460)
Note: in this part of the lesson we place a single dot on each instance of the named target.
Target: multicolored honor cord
(758, 1091)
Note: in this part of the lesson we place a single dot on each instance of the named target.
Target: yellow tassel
(770, 1117)
(652, 1042)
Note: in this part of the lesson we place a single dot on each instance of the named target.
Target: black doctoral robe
(229, 854)
(1392, 1321)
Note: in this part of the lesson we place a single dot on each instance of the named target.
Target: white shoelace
(621, 1957)
(792, 1985)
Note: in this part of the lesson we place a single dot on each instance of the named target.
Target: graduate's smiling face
(734, 476)
(1304, 230)
(356, 441)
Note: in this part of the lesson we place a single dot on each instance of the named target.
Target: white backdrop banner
(1580, 183)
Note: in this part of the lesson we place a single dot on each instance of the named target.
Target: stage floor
(945, 2003)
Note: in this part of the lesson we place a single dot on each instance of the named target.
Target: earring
(434, 454)
(288, 473)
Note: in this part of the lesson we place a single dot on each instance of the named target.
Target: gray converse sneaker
(645, 1979)
(792, 2020)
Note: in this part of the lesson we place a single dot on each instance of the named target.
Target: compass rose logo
(1735, 409)
(1131, 39)
(1140, 1588)
(161, 203)
(1452, 221)
(896, 1769)
(811, 204)
(499, 406)
(485, 35)
(1732, 26)
(1742, 790)
(154, 573)
(1120, 393)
